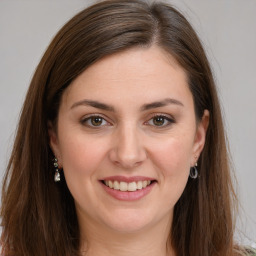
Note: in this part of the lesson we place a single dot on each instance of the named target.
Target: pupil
(158, 120)
(96, 121)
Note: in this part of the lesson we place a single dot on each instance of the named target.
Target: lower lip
(128, 195)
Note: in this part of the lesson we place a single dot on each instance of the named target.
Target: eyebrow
(162, 103)
(103, 106)
(94, 104)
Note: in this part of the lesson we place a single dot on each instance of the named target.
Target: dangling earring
(193, 172)
(57, 173)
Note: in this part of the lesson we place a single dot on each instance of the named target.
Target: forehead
(140, 73)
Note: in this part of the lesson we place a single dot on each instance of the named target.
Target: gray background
(228, 31)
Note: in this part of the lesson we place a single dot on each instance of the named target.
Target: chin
(128, 227)
(129, 221)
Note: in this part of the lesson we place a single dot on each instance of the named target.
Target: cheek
(173, 157)
(173, 163)
(80, 156)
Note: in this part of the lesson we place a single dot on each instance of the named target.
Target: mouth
(128, 186)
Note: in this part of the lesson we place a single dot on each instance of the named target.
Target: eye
(160, 121)
(94, 121)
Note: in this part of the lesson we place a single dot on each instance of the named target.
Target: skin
(128, 143)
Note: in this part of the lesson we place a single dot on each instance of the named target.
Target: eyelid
(167, 117)
(88, 116)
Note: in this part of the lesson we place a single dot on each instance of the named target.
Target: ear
(200, 136)
(53, 142)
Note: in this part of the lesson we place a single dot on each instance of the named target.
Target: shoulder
(251, 251)
(244, 251)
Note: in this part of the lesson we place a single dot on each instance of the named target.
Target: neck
(102, 241)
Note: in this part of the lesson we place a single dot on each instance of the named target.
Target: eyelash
(89, 119)
(167, 121)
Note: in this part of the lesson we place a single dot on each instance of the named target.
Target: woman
(120, 147)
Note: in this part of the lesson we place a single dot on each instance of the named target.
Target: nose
(127, 150)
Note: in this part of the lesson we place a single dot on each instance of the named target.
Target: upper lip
(128, 179)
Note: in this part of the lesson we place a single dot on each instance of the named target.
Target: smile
(127, 186)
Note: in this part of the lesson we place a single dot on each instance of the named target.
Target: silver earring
(57, 173)
(193, 172)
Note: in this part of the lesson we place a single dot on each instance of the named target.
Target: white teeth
(144, 183)
(110, 184)
(132, 186)
(123, 186)
(127, 186)
(139, 185)
(116, 185)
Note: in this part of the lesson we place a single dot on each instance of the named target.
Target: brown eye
(159, 120)
(96, 120)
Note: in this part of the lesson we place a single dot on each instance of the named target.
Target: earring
(57, 173)
(193, 172)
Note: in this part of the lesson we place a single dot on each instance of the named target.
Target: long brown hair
(38, 215)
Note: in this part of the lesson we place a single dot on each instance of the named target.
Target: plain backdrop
(228, 31)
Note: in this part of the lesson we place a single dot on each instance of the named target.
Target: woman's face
(126, 139)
